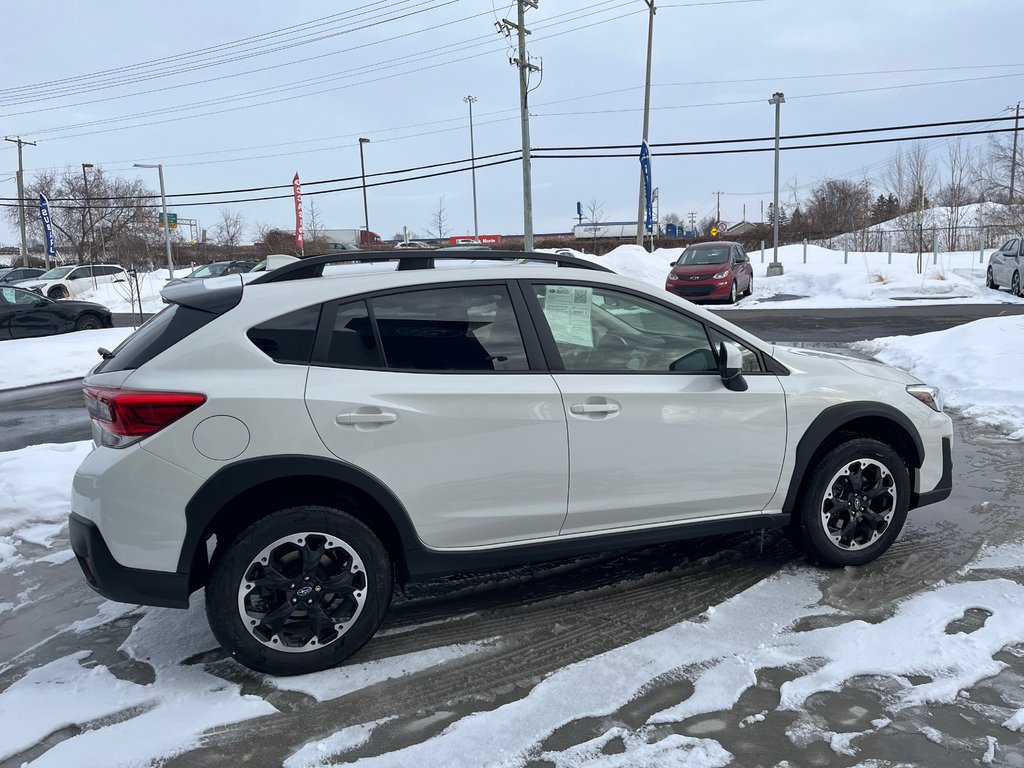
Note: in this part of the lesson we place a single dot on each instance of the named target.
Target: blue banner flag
(44, 213)
(645, 167)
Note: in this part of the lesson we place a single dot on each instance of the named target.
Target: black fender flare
(237, 478)
(833, 419)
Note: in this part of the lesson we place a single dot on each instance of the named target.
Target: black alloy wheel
(299, 591)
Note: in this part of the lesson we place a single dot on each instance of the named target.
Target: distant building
(738, 230)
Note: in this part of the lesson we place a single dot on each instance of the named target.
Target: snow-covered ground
(978, 366)
(787, 621)
(834, 279)
(54, 358)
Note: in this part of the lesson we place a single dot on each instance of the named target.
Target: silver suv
(297, 444)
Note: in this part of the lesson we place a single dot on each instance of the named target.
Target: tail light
(121, 417)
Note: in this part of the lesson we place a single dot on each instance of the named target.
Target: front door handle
(600, 408)
(366, 418)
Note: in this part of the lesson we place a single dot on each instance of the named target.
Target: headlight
(723, 273)
(930, 396)
(673, 277)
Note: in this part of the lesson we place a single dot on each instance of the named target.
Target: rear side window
(288, 338)
(467, 328)
(353, 344)
(159, 333)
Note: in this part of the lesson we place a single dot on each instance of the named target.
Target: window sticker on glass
(567, 309)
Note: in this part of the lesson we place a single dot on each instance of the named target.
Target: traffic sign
(172, 219)
(714, 231)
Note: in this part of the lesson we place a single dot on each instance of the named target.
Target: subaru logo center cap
(303, 591)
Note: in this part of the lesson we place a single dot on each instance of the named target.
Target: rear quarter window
(159, 333)
(288, 338)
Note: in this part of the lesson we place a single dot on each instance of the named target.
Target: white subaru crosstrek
(297, 444)
(68, 282)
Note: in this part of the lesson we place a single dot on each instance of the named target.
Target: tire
(88, 322)
(352, 559)
(989, 282)
(750, 287)
(58, 292)
(733, 294)
(832, 502)
(1015, 284)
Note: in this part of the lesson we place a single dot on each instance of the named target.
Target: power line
(608, 147)
(136, 69)
(12, 202)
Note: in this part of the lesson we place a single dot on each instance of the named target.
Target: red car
(718, 271)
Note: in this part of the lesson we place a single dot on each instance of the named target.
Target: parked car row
(25, 314)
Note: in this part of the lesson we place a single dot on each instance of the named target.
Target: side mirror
(730, 367)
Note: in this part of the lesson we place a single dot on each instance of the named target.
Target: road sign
(172, 219)
(714, 231)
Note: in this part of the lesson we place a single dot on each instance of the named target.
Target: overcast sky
(401, 81)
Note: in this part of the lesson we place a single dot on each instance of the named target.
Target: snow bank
(832, 279)
(978, 366)
(54, 358)
(35, 495)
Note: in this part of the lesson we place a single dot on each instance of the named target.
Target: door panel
(475, 458)
(679, 446)
(654, 435)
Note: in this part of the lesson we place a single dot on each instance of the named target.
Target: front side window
(751, 361)
(465, 328)
(79, 273)
(57, 273)
(598, 329)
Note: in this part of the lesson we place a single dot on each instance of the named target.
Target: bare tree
(594, 213)
(118, 212)
(837, 206)
(911, 177)
(958, 190)
(228, 231)
(312, 224)
(704, 225)
(438, 228)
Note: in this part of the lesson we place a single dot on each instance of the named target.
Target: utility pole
(775, 268)
(1013, 159)
(525, 68)
(693, 220)
(647, 120)
(92, 227)
(21, 195)
(718, 208)
(362, 173)
(167, 220)
(472, 160)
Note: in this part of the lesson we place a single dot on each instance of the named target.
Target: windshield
(56, 273)
(694, 256)
(210, 270)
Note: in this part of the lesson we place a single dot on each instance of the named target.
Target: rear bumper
(120, 583)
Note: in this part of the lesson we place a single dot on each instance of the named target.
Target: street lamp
(472, 160)
(775, 268)
(167, 222)
(92, 228)
(362, 171)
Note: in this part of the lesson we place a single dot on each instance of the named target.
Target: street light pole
(167, 222)
(472, 160)
(647, 120)
(92, 228)
(362, 171)
(775, 268)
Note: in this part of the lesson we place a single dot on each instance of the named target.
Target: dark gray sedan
(24, 314)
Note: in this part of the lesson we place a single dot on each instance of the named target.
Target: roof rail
(313, 266)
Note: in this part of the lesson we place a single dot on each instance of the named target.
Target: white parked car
(413, 244)
(273, 261)
(68, 282)
(297, 444)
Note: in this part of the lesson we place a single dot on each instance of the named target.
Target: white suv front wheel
(299, 591)
(856, 503)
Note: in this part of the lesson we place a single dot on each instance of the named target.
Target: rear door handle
(366, 418)
(584, 408)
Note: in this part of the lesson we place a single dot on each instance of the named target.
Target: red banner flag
(297, 189)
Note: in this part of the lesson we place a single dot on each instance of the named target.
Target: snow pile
(119, 297)
(939, 217)
(55, 358)
(35, 495)
(978, 366)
